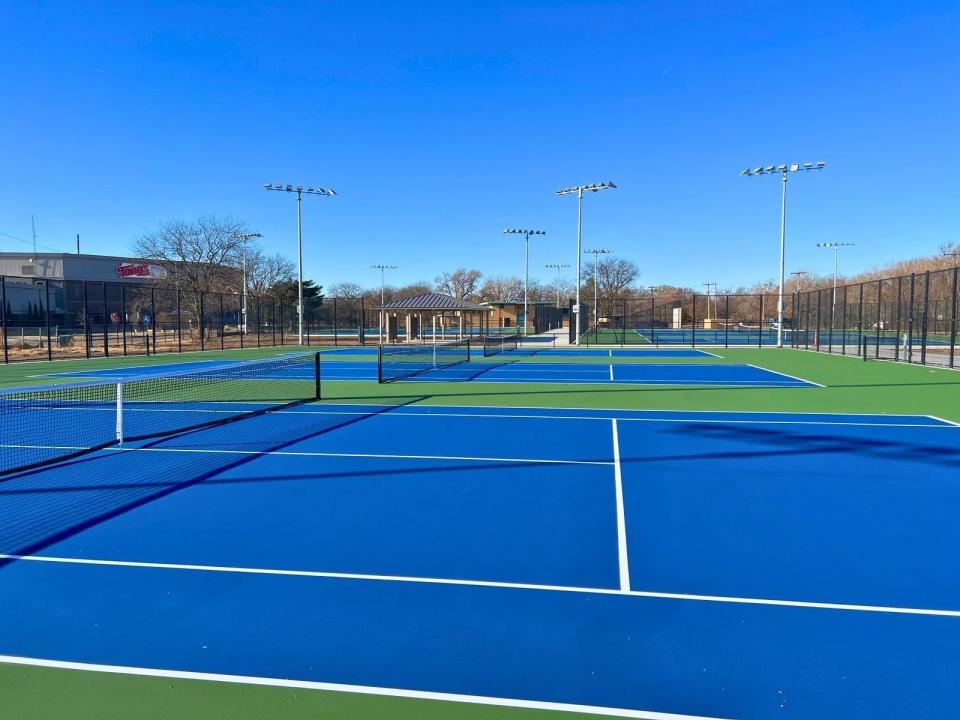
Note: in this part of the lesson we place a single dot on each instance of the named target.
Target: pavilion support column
(419, 326)
(460, 325)
(408, 320)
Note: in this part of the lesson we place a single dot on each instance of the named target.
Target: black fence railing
(61, 319)
(911, 318)
(732, 320)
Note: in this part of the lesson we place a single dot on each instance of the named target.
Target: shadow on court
(45, 506)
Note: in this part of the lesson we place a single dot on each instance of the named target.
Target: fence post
(925, 318)
(153, 319)
(913, 287)
(202, 323)
(179, 323)
(860, 319)
(953, 317)
(693, 324)
(106, 325)
(362, 323)
(86, 322)
(46, 293)
(843, 324)
(123, 316)
(881, 323)
(760, 325)
(816, 335)
(3, 316)
(336, 321)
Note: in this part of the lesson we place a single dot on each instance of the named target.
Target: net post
(316, 374)
(119, 427)
(380, 363)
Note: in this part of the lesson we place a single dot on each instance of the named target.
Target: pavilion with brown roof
(429, 316)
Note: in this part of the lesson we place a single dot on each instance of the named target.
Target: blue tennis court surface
(498, 369)
(694, 564)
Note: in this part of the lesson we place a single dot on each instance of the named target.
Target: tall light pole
(578, 191)
(244, 237)
(300, 190)
(382, 268)
(526, 266)
(784, 171)
(596, 252)
(835, 246)
(559, 267)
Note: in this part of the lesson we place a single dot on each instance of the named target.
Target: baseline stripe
(808, 604)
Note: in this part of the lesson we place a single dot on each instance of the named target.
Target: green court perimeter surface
(851, 386)
(39, 693)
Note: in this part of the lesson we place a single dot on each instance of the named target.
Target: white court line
(611, 372)
(357, 689)
(621, 514)
(946, 422)
(389, 456)
(651, 410)
(792, 377)
(400, 413)
(686, 597)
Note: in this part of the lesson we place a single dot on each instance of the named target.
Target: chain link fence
(60, 319)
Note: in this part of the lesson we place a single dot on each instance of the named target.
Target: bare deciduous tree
(204, 255)
(461, 283)
(346, 290)
(615, 276)
(502, 289)
(266, 271)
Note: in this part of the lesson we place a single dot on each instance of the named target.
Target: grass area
(851, 386)
(38, 693)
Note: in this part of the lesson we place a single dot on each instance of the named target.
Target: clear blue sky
(440, 123)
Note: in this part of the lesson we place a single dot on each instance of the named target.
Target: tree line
(211, 255)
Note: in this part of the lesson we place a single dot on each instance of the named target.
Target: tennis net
(51, 424)
(496, 344)
(398, 362)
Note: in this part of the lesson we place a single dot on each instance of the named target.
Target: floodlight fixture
(784, 170)
(300, 191)
(578, 191)
(526, 268)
